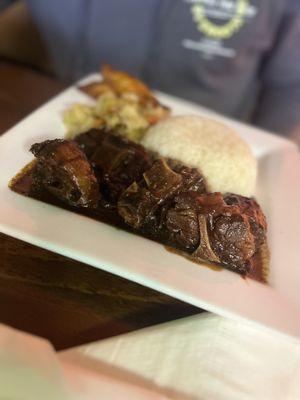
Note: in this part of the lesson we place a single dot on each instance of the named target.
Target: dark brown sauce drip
(206, 264)
(22, 183)
(256, 272)
(260, 265)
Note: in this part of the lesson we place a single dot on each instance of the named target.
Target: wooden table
(65, 301)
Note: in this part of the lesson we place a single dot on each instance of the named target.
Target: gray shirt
(238, 57)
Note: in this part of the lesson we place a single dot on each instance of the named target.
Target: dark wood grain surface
(65, 301)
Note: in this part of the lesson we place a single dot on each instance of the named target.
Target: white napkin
(30, 369)
(200, 357)
(204, 357)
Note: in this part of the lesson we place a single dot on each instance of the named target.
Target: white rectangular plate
(276, 306)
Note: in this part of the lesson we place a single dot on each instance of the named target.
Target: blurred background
(20, 40)
(238, 57)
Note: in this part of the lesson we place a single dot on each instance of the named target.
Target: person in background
(238, 57)
(5, 3)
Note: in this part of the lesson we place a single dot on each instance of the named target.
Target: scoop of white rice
(223, 157)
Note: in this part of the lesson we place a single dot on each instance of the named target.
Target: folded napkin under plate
(203, 357)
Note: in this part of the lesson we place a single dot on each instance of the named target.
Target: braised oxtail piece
(205, 226)
(117, 162)
(144, 204)
(231, 230)
(64, 171)
(138, 204)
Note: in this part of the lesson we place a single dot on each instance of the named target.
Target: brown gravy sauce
(206, 264)
(22, 184)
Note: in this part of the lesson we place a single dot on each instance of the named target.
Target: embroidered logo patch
(234, 12)
(218, 21)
